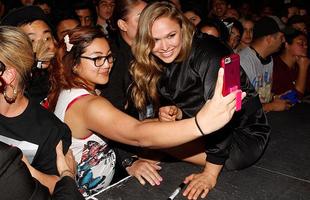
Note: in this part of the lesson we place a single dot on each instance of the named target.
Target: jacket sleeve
(242, 141)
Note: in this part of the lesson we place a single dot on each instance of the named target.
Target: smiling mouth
(167, 53)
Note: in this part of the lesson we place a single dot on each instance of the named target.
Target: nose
(164, 45)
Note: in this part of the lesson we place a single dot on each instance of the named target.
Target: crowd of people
(100, 89)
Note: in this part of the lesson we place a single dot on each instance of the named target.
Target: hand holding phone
(231, 65)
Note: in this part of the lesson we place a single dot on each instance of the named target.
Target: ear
(268, 39)
(286, 45)
(122, 25)
(9, 75)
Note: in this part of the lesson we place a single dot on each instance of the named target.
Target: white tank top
(96, 161)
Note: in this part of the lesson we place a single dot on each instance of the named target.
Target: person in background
(175, 70)
(247, 36)
(193, 13)
(32, 21)
(257, 62)
(85, 60)
(235, 29)
(215, 27)
(15, 174)
(232, 13)
(65, 21)
(85, 11)
(105, 10)
(219, 8)
(297, 22)
(21, 118)
(290, 67)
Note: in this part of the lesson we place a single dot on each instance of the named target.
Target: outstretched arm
(101, 117)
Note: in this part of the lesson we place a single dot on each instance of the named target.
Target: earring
(6, 97)
(74, 70)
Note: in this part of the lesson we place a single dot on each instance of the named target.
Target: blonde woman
(176, 67)
(22, 120)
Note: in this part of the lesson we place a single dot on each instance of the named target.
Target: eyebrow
(172, 32)
(99, 52)
(44, 32)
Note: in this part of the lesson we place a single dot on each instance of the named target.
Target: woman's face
(195, 19)
(298, 47)
(247, 35)
(234, 38)
(99, 49)
(168, 39)
(131, 21)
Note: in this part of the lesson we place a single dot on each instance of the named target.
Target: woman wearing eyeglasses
(86, 61)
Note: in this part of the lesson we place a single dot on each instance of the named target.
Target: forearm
(186, 130)
(300, 85)
(47, 180)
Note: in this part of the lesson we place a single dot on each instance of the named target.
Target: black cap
(265, 26)
(24, 15)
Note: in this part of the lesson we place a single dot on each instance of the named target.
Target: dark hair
(295, 19)
(121, 10)
(236, 24)
(218, 25)
(290, 34)
(62, 75)
(193, 7)
(61, 15)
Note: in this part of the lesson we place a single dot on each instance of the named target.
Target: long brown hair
(62, 73)
(146, 68)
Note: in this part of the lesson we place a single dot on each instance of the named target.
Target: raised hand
(219, 110)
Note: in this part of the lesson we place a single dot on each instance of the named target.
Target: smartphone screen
(231, 65)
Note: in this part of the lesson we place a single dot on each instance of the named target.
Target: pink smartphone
(231, 65)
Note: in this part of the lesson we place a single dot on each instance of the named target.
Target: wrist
(128, 162)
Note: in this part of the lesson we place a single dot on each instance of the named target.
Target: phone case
(231, 65)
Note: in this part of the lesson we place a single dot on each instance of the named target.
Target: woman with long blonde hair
(175, 71)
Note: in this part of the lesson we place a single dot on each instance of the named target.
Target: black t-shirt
(38, 126)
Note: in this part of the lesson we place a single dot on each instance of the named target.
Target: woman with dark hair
(84, 61)
(176, 67)
(235, 30)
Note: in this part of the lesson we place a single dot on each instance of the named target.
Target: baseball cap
(265, 26)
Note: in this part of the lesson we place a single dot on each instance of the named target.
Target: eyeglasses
(2, 68)
(100, 60)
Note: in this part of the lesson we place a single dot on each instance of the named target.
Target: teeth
(167, 54)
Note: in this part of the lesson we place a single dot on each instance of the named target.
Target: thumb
(219, 83)
(59, 147)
